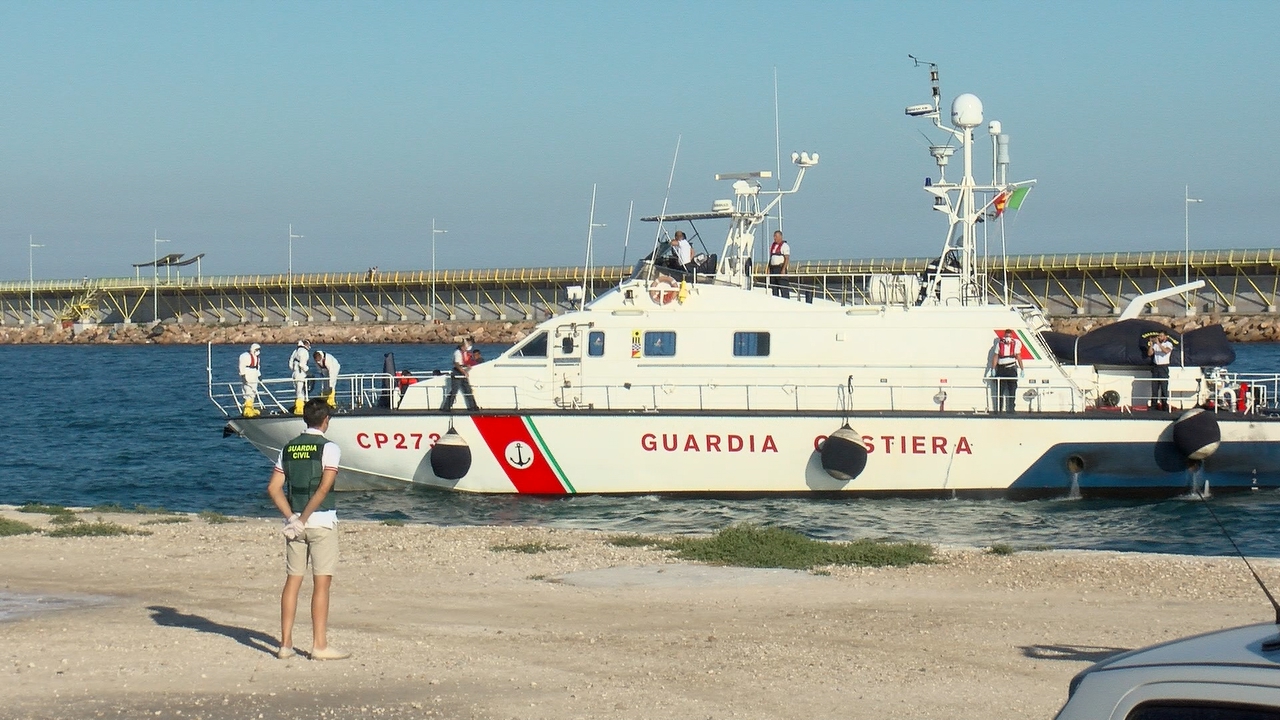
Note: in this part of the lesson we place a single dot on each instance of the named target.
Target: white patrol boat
(707, 379)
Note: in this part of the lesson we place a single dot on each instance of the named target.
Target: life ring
(663, 290)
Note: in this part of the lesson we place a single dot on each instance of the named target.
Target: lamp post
(155, 274)
(31, 275)
(289, 313)
(1186, 240)
(434, 232)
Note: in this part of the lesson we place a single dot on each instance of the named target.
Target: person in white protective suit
(328, 367)
(298, 364)
(250, 372)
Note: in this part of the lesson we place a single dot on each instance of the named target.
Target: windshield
(534, 347)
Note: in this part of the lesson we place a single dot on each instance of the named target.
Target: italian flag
(1010, 199)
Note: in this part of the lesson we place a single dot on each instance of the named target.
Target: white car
(1221, 675)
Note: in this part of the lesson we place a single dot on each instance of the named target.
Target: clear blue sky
(219, 123)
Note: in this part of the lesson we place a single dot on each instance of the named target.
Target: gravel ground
(183, 622)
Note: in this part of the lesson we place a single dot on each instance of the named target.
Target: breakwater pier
(1075, 291)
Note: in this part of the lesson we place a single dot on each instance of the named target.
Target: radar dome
(966, 111)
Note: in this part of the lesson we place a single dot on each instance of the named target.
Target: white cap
(302, 343)
(255, 347)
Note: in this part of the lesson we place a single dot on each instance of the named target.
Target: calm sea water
(133, 425)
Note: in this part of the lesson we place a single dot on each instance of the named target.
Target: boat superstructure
(698, 378)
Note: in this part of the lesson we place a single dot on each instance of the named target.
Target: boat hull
(921, 454)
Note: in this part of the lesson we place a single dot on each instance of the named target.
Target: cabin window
(659, 343)
(534, 347)
(595, 343)
(1201, 710)
(751, 344)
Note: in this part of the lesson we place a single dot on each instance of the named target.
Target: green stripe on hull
(533, 429)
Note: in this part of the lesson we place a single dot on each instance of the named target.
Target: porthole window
(659, 343)
(751, 344)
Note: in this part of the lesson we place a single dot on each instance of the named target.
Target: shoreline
(1238, 328)
(444, 622)
(439, 333)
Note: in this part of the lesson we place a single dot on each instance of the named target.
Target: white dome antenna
(966, 111)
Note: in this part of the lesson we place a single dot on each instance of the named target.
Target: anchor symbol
(516, 457)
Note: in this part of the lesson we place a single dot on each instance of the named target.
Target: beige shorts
(317, 545)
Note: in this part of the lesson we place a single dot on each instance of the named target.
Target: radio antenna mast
(657, 238)
(627, 238)
(777, 145)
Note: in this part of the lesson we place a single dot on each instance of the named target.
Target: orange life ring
(663, 290)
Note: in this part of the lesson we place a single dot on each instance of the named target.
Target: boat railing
(852, 289)
(276, 396)
(379, 390)
(748, 397)
(1244, 392)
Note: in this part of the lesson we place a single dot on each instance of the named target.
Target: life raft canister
(451, 456)
(844, 457)
(663, 290)
(1196, 434)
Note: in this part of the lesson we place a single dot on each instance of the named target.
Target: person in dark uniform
(1160, 349)
(300, 487)
(460, 377)
(1006, 361)
(779, 263)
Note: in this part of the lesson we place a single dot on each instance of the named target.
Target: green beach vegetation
(216, 518)
(167, 520)
(15, 527)
(44, 509)
(95, 529)
(746, 545)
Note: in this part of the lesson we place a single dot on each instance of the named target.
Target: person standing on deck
(460, 378)
(298, 363)
(779, 263)
(1006, 361)
(301, 488)
(328, 367)
(1160, 350)
(250, 372)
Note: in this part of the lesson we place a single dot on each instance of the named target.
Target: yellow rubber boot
(249, 411)
(297, 405)
(330, 398)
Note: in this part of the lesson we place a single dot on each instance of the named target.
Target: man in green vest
(300, 488)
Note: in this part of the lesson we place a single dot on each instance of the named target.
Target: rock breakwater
(328, 334)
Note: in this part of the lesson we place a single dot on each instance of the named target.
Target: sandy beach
(443, 623)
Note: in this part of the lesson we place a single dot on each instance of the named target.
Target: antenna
(933, 80)
(627, 238)
(777, 144)
(586, 270)
(1271, 643)
(657, 238)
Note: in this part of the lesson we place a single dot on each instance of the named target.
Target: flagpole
(1186, 243)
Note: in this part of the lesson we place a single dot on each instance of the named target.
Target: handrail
(368, 390)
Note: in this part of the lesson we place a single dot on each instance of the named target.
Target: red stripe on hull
(526, 467)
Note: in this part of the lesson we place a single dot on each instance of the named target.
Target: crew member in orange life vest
(779, 261)
(460, 377)
(250, 372)
(1007, 363)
